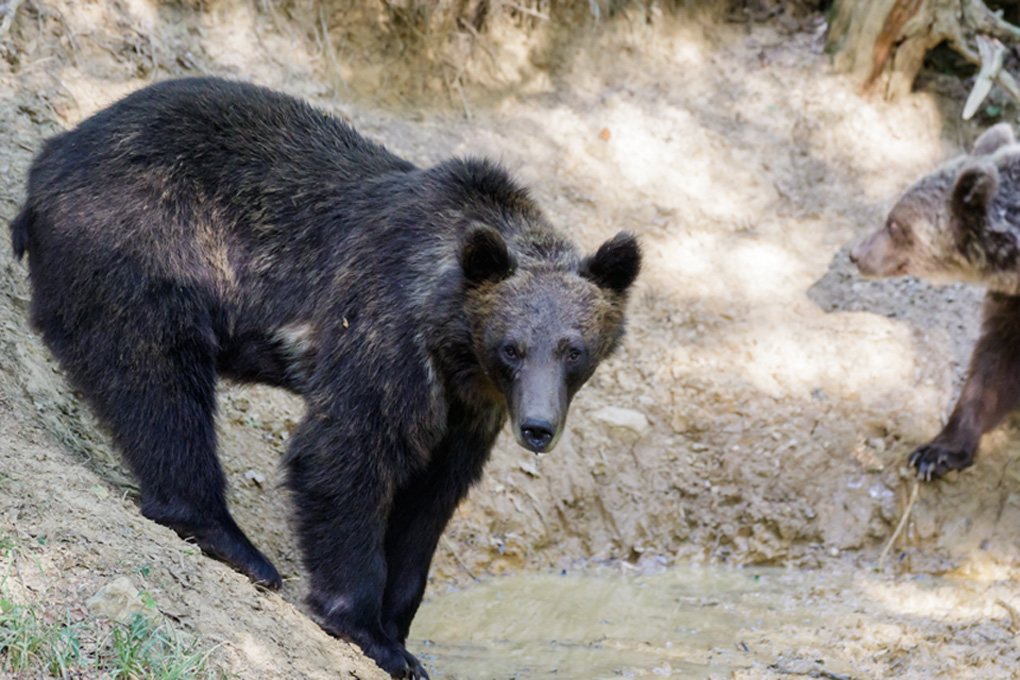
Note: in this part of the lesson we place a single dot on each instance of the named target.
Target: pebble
(622, 417)
(118, 600)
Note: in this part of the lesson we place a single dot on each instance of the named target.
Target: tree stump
(882, 43)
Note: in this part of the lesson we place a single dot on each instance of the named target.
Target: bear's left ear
(993, 139)
(975, 188)
(485, 257)
(615, 264)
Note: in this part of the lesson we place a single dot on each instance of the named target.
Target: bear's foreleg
(421, 511)
(343, 488)
(991, 391)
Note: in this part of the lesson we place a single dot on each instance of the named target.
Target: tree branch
(983, 20)
(991, 52)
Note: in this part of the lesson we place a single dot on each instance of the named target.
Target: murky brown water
(692, 622)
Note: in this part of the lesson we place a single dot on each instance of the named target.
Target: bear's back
(226, 136)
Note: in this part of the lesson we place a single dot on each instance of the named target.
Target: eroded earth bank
(759, 413)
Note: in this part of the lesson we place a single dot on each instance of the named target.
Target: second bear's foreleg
(991, 391)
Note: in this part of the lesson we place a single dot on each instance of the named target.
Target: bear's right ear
(485, 257)
(615, 264)
(993, 138)
(975, 188)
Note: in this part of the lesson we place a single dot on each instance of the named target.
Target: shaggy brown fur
(202, 227)
(962, 223)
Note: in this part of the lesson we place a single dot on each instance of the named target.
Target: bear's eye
(573, 355)
(510, 352)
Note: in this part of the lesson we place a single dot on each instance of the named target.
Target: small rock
(622, 417)
(255, 476)
(529, 469)
(117, 600)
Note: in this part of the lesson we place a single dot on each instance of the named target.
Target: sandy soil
(760, 411)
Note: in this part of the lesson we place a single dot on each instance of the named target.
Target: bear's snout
(538, 403)
(537, 435)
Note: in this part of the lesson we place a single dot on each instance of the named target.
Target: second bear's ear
(485, 257)
(615, 264)
(993, 138)
(975, 188)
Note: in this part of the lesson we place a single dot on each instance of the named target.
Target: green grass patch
(36, 642)
(138, 649)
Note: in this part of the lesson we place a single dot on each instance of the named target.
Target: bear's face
(540, 332)
(948, 227)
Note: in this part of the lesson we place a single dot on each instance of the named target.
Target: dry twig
(985, 21)
(1014, 616)
(903, 522)
(525, 10)
(329, 48)
(456, 556)
(810, 673)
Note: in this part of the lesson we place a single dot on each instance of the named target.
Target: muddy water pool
(690, 622)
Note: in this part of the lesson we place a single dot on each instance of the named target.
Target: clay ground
(770, 396)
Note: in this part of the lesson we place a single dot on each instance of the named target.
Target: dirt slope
(769, 396)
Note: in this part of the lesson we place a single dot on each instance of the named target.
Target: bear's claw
(935, 460)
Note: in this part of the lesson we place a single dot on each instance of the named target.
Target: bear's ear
(993, 138)
(485, 257)
(974, 189)
(615, 264)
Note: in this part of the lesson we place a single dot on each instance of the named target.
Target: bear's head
(954, 224)
(542, 319)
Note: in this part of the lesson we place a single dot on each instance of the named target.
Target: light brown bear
(962, 223)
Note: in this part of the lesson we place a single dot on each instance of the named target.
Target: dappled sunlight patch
(235, 38)
(779, 341)
(953, 601)
(885, 143)
(143, 11)
(91, 93)
(868, 361)
(659, 155)
(254, 651)
(720, 266)
(982, 567)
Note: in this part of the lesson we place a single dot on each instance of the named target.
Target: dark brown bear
(202, 227)
(962, 223)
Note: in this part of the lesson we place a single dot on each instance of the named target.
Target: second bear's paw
(934, 460)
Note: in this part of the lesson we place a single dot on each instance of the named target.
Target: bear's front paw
(934, 460)
(388, 654)
(395, 660)
(415, 670)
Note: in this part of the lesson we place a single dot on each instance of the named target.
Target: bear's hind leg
(166, 430)
(151, 377)
(991, 391)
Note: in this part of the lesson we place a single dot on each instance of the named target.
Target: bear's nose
(537, 434)
(853, 255)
